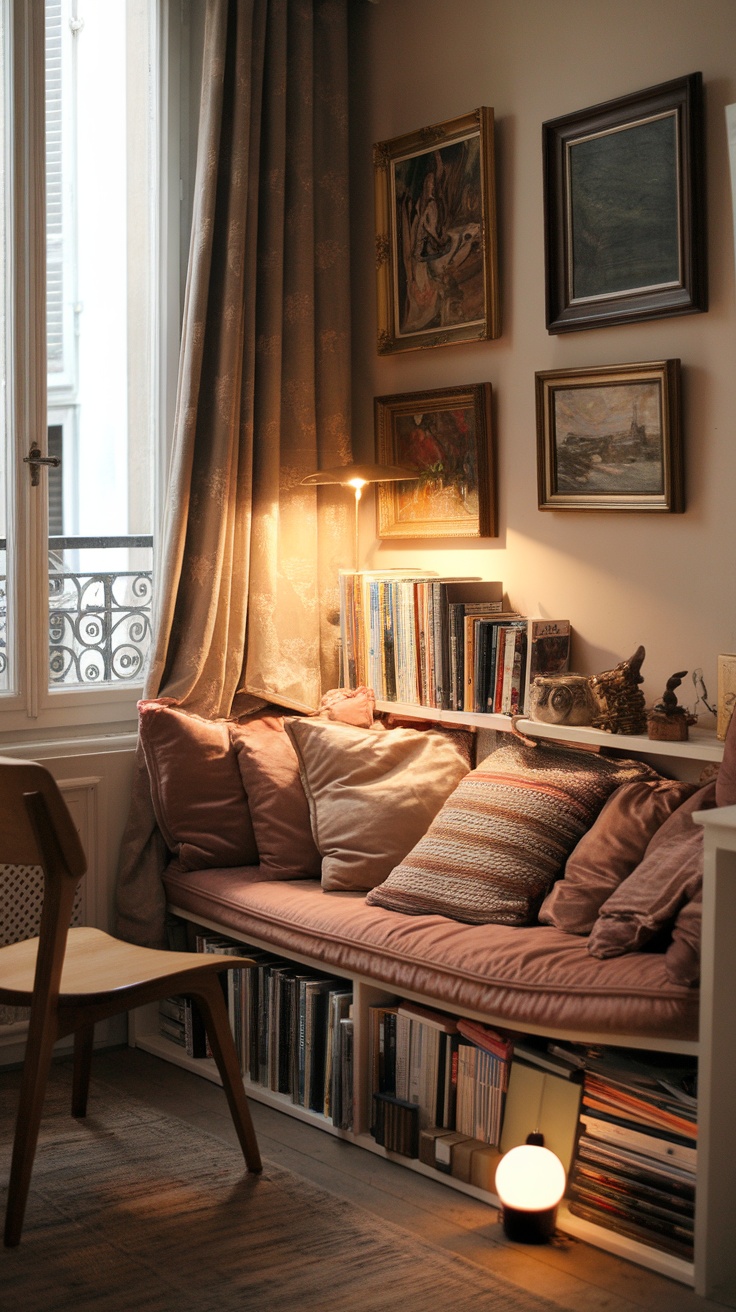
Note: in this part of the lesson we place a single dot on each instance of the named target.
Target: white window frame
(94, 710)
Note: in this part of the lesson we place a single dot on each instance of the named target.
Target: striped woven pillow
(502, 837)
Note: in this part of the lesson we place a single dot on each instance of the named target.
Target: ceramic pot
(561, 699)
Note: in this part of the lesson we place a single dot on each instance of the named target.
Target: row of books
(427, 1073)
(444, 643)
(293, 1029)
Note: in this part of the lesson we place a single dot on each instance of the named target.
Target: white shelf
(702, 745)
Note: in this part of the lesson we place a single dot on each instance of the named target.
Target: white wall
(667, 581)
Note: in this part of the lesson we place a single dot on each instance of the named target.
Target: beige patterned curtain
(247, 599)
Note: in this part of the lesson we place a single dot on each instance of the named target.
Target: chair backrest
(35, 825)
(37, 829)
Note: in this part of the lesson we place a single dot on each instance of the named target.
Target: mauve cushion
(536, 975)
(502, 838)
(669, 876)
(726, 779)
(198, 797)
(373, 792)
(610, 850)
(269, 771)
(682, 958)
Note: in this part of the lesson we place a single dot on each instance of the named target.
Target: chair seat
(96, 966)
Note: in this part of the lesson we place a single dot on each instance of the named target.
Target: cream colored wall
(667, 581)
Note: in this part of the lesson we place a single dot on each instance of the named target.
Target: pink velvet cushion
(269, 771)
(682, 958)
(198, 797)
(666, 880)
(503, 836)
(726, 780)
(610, 850)
(373, 792)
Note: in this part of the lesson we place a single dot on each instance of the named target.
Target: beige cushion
(372, 794)
(198, 796)
(610, 850)
(270, 776)
(503, 836)
(669, 876)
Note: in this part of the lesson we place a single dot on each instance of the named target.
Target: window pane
(101, 210)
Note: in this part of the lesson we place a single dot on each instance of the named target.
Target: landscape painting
(609, 439)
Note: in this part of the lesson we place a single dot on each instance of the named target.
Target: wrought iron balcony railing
(99, 618)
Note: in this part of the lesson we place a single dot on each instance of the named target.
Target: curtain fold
(247, 603)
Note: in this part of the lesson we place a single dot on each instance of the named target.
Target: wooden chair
(71, 978)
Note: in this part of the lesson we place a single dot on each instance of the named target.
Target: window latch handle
(35, 460)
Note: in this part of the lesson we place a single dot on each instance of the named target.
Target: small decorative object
(619, 699)
(530, 1181)
(436, 235)
(668, 721)
(609, 438)
(561, 699)
(444, 438)
(726, 693)
(625, 209)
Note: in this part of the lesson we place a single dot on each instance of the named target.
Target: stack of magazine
(635, 1165)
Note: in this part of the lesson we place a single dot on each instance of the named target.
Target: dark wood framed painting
(610, 439)
(624, 202)
(445, 435)
(437, 279)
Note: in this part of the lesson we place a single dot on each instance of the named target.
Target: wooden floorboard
(570, 1273)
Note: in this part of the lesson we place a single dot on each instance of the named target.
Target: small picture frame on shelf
(437, 280)
(624, 201)
(445, 435)
(610, 438)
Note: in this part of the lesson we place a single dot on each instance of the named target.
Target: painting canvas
(445, 436)
(436, 235)
(623, 201)
(609, 439)
(625, 209)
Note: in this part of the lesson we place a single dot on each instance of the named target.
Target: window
(84, 343)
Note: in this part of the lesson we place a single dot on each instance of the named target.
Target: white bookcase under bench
(713, 1272)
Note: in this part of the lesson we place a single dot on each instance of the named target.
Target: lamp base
(529, 1227)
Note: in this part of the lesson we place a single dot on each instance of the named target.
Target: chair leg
(30, 1106)
(83, 1041)
(214, 1014)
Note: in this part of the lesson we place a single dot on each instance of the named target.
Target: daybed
(318, 816)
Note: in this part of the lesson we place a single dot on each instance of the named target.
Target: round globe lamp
(530, 1181)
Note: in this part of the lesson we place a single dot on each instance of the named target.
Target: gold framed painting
(610, 438)
(445, 435)
(436, 266)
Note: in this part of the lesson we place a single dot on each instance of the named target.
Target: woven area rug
(133, 1211)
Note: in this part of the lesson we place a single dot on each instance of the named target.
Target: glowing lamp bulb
(530, 1181)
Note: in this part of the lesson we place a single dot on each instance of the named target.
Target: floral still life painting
(445, 435)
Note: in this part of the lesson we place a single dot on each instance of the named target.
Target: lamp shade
(530, 1181)
(355, 475)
